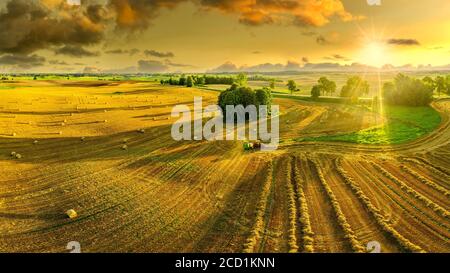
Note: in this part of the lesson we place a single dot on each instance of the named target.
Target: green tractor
(252, 146)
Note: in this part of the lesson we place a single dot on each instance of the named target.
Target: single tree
(440, 85)
(316, 91)
(241, 79)
(182, 80)
(292, 86)
(272, 84)
(189, 81)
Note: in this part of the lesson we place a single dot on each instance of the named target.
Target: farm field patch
(402, 124)
(104, 149)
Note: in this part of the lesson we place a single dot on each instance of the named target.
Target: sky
(149, 36)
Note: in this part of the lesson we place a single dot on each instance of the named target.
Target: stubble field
(104, 149)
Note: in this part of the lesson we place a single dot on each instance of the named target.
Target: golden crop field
(104, 149)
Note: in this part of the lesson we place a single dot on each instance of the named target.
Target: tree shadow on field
(179, 150)
(43, 216)
(155, 143)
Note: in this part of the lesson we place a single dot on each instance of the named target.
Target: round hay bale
(13, 154)
(83, 138)
(72, 214)
(35, 142)
(18, 156)
(124, 147)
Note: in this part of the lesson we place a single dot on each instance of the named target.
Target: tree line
(199, 80)
(403, 90)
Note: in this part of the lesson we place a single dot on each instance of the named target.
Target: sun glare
(375, 54)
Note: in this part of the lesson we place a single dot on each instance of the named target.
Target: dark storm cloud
(22, 61)
(300, 12)
(405, 42)
(133, 14)
(27, 26)
(75, 51)
(159, 54)
(97, 13)
(30, 25)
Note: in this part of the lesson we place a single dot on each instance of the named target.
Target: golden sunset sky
(200, 35)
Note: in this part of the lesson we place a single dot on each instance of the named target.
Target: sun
(375, 54)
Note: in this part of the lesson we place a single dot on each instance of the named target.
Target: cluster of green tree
(440, 84)
(200, 80)
(245, 96)
(188, 81)
(260, 78)
(409, 91)
(323, 87)
(355, 87)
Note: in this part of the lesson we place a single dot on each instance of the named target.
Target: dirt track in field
(160, 195)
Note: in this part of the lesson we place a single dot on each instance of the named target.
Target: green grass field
(403, 124)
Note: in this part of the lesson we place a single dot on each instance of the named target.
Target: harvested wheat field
(104, 150)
